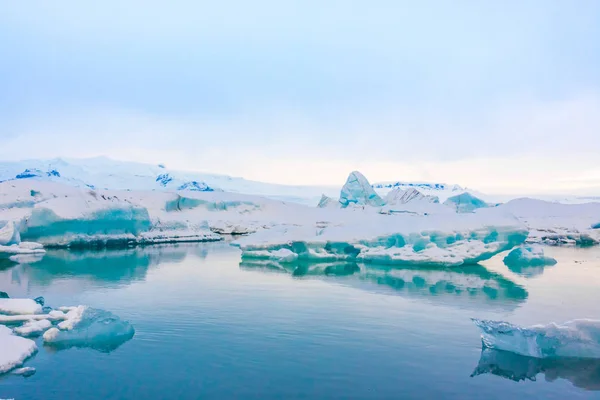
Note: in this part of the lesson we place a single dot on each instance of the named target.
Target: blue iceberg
(578, 338)
(465, 202)
(527, 256)
(90, 327)
(357, 190)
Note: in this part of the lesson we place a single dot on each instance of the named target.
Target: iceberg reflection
(465, 286)
(583, 373)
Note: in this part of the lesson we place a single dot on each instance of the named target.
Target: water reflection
(468, 286)
(526, 271)
(110, 267)
(582, 373)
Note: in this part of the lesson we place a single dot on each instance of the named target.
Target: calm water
(210, 328)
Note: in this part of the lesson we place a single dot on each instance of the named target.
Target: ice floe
(578, 338)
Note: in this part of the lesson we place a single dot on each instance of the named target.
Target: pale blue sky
(502, 96)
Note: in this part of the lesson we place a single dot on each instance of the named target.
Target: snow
(19, 306)
(578, 338)
(14, 350)
(358, 191)
(72, 318)
(528, 256)
(107, 174)
(33, 327)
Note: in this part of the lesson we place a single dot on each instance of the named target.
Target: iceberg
(358, 191)
(581, 372)
(465, 203)
(89, 327)
(447, 240)
(9, 234)
(528, 256)
(578, 338)
(14, 350)
(328, 202)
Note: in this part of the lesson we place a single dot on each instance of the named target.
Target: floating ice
(33, 327)
(3, 295)
(25, 372)
(400, 240)
(357, 190)
(19, 306)
(90, 327)
(578, 338)
(465, 202)
(528, 256)
(14, 350)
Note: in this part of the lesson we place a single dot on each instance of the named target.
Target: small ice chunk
(33, 327)
(73, 317)
(25, 372)
(55, 315)
(90, 327)
(3, 295)
(19, 306)
(40, 300)
(14, 350)
(528, 256)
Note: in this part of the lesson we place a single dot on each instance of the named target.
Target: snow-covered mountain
(106, 173)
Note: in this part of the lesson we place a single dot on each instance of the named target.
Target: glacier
(578, 338)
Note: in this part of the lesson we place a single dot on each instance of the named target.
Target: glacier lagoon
(208, 325)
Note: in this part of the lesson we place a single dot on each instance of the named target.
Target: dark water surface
(210, 328)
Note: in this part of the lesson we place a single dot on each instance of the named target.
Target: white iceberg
(450, 240)
(578, 338)
(14, 350)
